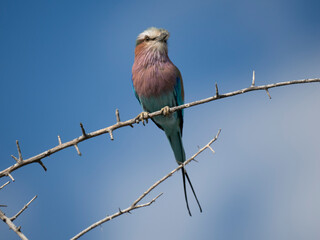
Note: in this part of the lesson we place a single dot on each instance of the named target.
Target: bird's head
(153, 39)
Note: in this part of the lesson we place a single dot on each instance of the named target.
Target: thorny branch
(11, 225)
(108, 218)
(135, 204)
(24, 208)
(9, 221)
(20, 162)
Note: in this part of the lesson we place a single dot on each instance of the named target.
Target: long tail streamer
(184, 175)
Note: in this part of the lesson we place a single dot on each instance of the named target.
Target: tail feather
(178, 150)
(194, 193)
(184, 189)
(177, 147)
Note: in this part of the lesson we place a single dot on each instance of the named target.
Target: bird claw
(165, 111)
(142, 117)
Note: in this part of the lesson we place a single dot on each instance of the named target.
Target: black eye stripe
(147, 38)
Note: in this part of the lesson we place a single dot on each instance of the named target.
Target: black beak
(163, 37)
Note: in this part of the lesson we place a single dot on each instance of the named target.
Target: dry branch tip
(23, 209)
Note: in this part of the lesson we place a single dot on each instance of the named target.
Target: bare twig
(135, 204)
(178, 168)
(108, 218)
(11, 225)
(9, 221)
(4, 185)
(132, 121)
(24, 208)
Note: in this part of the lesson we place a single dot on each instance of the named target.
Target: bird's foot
(143, 116)
(165, 111)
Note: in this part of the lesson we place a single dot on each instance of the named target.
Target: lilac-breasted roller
(158, 85)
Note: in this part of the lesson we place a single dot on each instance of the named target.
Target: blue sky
(65, 62)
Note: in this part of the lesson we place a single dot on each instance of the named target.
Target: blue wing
(178, 95)
(135, 93)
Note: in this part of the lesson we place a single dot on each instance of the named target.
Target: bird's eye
(147, 38)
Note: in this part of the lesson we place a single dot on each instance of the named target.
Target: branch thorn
(78, 151)
(59, 139)
(10, 176)
(83, 131)
(111, 134)
(217, 91)
(117, 115)
(19, 151)
(268, 93)
(16, 159)
(211, 149)
(253, 78)
(42, 165)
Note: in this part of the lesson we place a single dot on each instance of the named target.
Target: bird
(157, 84)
